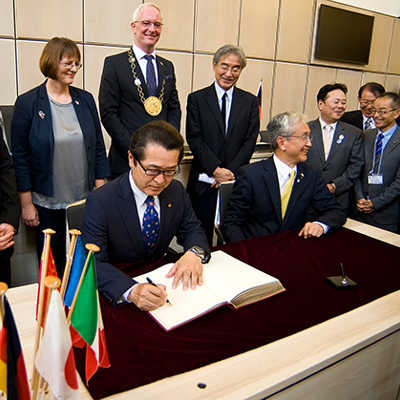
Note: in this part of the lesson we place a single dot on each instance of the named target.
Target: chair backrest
(5, 122)
(75, 213)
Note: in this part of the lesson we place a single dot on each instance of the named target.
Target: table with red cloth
(141, 352)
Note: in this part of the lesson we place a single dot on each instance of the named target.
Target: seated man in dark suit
(378, 189)
(364, 117)
(274, 195)
(136, 216)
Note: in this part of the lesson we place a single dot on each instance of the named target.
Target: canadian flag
(55, 360)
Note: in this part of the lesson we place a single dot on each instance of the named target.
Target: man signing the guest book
(134, 218)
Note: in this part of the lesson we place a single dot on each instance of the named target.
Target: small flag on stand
(259, 99)
(76, 271)
(55, 360)
(47, 270)
(86, 319)
(13, 377)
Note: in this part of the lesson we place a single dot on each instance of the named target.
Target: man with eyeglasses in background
(137, 86)
(274, 195)
(378, 189)
(222, 125)
(337, 146)
(364, 117)
(135, 216)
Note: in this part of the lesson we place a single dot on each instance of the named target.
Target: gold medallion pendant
(153, 106)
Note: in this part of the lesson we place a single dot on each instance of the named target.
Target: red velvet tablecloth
(141, 352)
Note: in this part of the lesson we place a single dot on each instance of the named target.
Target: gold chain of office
(153, 104)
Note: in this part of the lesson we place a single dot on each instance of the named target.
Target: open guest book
(227, 281)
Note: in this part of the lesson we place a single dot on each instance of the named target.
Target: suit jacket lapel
(128, 211)
(317, 140)
(272, 183)
(338, 131)
(393, 142)
(212, 101)
(299, 185)
(235, 110)
(44, 113)
(140, 75)
(162, 72)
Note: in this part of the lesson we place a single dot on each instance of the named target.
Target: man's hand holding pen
(148, 296)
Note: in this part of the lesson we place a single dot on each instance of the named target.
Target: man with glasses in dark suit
(137, 86)
(134, 218)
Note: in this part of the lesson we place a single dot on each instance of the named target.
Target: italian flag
(55, 360)
(87, 321)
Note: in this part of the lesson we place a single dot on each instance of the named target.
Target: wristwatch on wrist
(204, 255)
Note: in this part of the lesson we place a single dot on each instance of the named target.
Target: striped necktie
(368, 124)
(286, 192)
(378, 153)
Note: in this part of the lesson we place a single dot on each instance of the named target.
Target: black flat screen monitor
(343, 35)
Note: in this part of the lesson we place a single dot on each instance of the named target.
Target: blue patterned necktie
(368, 124)
(378, 153)
(150, 76)
(151, 224)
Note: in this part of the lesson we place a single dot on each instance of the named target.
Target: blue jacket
(32, 139)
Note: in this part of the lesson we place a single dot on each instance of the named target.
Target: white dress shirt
(139, 54)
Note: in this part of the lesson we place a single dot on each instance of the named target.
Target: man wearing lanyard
(378, 190)
(222, 125)
(137, 86)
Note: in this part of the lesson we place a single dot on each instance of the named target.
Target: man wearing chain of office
(137, 86)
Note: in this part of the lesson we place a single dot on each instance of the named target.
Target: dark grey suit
(385, 197)
(354, 118)
(345, 160)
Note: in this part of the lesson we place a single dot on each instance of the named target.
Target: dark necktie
(378, 153)
(150, 76)
(368, 124)
(151, 224)
(223, 111)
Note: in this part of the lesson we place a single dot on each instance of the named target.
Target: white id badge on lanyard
(375, 179)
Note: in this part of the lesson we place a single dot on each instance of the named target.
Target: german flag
(13, 378)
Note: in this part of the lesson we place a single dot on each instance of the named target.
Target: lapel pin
(41, 114)
(169, 205)
(161, 63)
(300, 178)
(340, 139)
(137, 82)
(77, 102)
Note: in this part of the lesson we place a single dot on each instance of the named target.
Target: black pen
(152, 283)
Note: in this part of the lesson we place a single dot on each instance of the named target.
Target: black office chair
(225, 191)
(75, 213)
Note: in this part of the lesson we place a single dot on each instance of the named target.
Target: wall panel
(258, 28)
(178, 27)
(394, 59)
(295, 29)
(6, 18)
(217, 24)
(44, 19)
(373, 77)
(8, 90)
(289, 88)
(108, 23)
(352, 79)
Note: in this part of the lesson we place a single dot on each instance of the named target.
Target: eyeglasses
(234, 70)
(148, 24)
(71, 64)
(156, 172)
(366, 102)
(305, 138)
(383, 112)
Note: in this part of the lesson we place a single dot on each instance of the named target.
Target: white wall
(389, 7)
